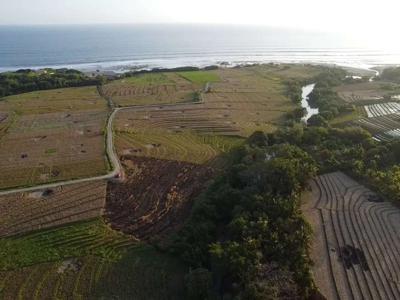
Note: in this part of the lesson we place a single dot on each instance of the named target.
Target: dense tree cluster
(391, 74)
(352, 150)
(23, 81)
(247, 229)
(293, 90)
(325, 98)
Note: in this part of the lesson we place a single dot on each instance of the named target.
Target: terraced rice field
(24, 212)
(185, 146)
(156, 88)
(142, 274)
(50, 101)
(383, 128)
(85, 261)
(52, 135)
(242, 101)
(382, 109)
(366, 92)
(6, 120)
(195, 117)
(52, 147)
(356, 242)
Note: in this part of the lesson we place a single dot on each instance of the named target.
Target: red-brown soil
(156, 196)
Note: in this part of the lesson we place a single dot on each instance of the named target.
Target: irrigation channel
(306, 91)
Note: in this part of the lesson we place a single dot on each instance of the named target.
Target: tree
(198, 284)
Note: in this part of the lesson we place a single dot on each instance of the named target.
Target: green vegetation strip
(81, 239)
(201, 77)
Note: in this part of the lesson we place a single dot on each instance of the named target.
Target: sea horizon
(127, 47)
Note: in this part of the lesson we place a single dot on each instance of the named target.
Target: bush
(23, 81)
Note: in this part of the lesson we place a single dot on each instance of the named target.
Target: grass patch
(143, 273)
(346, 117)
(51, 151)
(148, 79)
(80, 239)
(200, 77)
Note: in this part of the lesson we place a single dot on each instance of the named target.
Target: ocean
(129, 47)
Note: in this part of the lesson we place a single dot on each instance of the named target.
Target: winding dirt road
(117, 171)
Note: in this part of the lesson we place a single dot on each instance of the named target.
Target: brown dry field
(366, 92)
(51, 136)
(244, 100)
(24, 212)
(50, 101)
(156, 196)
(150, 89)
(52, 147)
(356, 240)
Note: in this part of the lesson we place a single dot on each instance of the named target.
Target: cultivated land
(88, 240)
(356, 240)
(156, 196)
(86, 261)
(376, 108)
(154, 88)
(368, 92)
(383, 128)
(188, 140)
(25, 212)
(51, 136)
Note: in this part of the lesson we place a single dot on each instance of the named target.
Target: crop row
(361, 241)
(185, 146)
(376, 110)
(83, 255)
(21, 213)
(137, 273)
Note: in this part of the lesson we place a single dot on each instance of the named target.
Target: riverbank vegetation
(391, 74)
(326, 99)
(247, 231)
(351, 150)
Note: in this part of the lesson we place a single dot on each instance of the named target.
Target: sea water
(127, 47)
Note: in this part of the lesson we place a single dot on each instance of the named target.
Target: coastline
(117, 68)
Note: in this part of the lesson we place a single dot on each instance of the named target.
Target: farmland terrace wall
(356, 246)
(24, 212)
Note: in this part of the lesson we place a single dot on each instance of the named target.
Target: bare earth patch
(156, 196)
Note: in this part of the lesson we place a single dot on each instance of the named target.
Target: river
(306, 91)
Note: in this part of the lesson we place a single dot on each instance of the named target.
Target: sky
(357, 16)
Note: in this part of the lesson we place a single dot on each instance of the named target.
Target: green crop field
(200, 77)
(86, 260)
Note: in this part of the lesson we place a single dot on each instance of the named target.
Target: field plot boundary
(356, 247)
(111, 153)
(382, 109)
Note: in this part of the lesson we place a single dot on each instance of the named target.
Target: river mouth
(306, 91)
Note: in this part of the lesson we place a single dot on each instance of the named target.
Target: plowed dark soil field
(155, 197)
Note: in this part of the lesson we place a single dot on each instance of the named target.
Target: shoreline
(115, 69)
